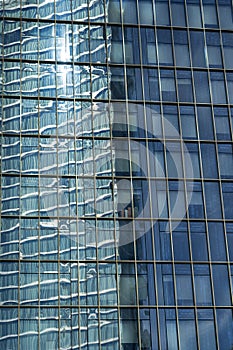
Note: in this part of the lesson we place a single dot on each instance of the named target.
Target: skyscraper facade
(116, 175)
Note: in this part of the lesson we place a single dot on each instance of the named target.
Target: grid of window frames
(101, 103)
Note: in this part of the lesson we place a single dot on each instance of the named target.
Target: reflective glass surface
(116, 175)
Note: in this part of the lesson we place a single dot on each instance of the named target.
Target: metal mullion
(20, 182)
(114, 219)
(131, 175)
(209, 252)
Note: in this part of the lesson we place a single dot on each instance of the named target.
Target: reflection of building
(116, 175)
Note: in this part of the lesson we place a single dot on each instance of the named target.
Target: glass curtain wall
(116, 175)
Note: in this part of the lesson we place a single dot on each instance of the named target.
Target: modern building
(116, 175)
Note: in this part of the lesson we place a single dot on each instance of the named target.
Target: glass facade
(116, 174)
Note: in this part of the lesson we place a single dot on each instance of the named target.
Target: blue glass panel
(201, 86)
(225, 328)
(114, 12)
(206, 329)
(165, 47)
(214, 50)
(217, 241)
(181, 48)
(134, 84)
(178, 13)
(205, 123)
(63, 10)
(162, 240)
(129, 8)
(212, 197)
(168, 329)
(148, 328)
(197, 49)
(151, 88)
(194, 13)
(218, 87)
(195, 197)
(227, 49)
(202, 285)
(230, 87)
(131, 43)
(162, 13)
(225, 160)
(146, 15)
(198, 241)
(188, 122)
(192, 157)
(185, 89)
(184, 287)
(209, 162)
(229, 231)
(222, 124)
(149, 55)
(168, 89)
(221, 285)
(210, 14)
(181, 242)
(225, 14)
(227, 189)
(170, 122)
(166, 285)
(187, 330)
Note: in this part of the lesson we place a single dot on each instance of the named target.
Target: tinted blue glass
(151, 89)
(214, 50)
(184, 286)
(217, 241)
(195, 209)
(227, 189)
(185, 90)
(201, 86)
(198, 241)
(212, 197)
(229, 232)
(209, 163)
(168, 89)
(227, 49)
(194, 13)
(225, 14)
(222, 123)
(181, 48)
(187, 329)
(218, 87)
(178, 13)
(180, 242)
(210, 14)
(220, 279)
(114, 12)
(131, 45)
(206, 329)
(134, 84)
(194, 171)
(149, 55)
(225, 160)
(162, 239)
(129, 11)
(230, 87)
(146, 15)
(165, 47)
(225, 328)
(205, 123)
(162, 13)
(202, 284)
(197, 49)
(188, 122)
